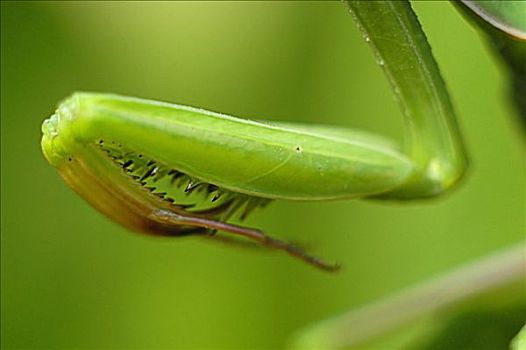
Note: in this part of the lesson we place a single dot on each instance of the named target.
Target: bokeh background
(71, 278)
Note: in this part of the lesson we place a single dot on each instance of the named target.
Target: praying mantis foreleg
(131, 158)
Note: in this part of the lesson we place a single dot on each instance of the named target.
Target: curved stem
(358, 326)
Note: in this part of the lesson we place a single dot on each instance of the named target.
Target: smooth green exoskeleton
(128, 156)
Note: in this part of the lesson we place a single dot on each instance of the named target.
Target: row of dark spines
(157, 171)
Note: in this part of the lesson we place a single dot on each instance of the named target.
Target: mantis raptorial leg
(130, 157)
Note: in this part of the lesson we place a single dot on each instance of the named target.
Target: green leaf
(478, 306)
(479, 329)
(508, 16)
(519, 342)
(504, 23)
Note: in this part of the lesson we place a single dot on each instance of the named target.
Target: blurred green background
(71, 278)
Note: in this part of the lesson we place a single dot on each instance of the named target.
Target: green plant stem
(361, 325)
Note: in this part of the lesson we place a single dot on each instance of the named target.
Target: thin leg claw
(167, 217)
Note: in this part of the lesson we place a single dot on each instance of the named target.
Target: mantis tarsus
(129, 157)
